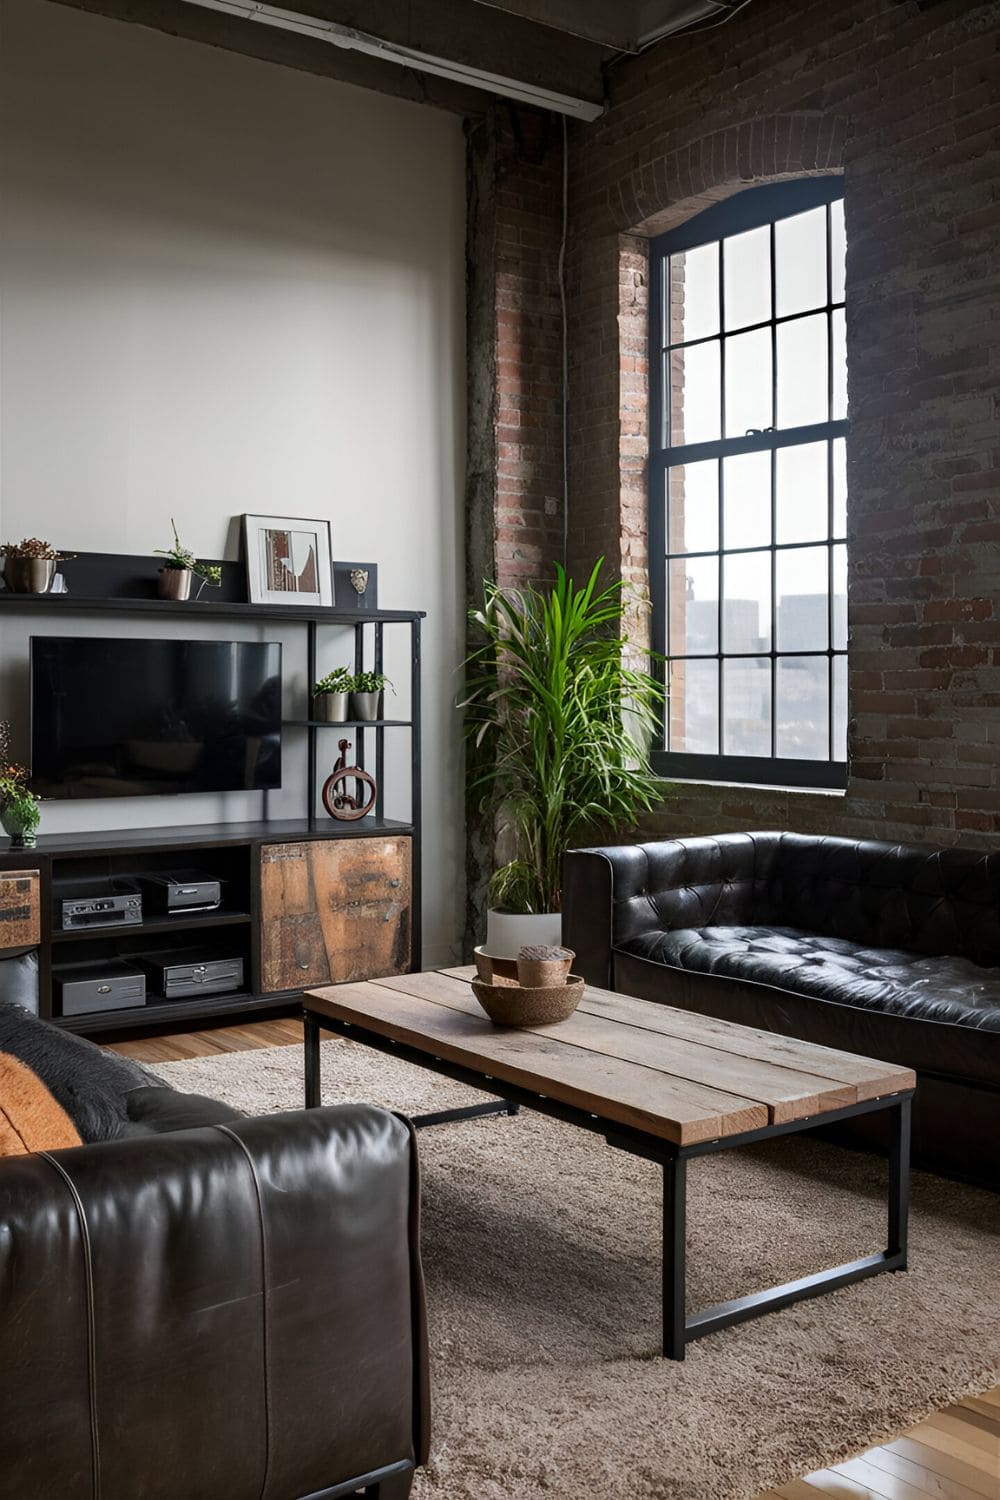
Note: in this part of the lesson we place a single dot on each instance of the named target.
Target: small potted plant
(30, 566)
(330, 696)
(181, 568)
(366, 695)
(19, 815)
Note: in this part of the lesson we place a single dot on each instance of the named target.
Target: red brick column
(517, 233)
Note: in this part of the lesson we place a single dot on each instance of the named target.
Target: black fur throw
(91, 1085)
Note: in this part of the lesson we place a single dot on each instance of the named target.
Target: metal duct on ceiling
(627, 26)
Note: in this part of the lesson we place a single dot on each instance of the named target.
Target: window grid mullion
(666, 357)
(829, 495)
(788, 437)
(774, 502)
(828, 307)
(819, 541)
(720, 642)
(720, 586)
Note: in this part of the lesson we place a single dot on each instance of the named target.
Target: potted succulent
(30, 566)
(366, 695)
(557, 728)
(181, 568)
(330, 696)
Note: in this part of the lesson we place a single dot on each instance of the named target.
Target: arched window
(748, 502)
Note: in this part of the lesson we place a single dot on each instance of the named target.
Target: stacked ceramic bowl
(534, 989)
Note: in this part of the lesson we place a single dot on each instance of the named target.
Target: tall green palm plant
(557, 727)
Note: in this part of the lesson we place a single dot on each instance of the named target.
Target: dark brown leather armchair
(232, 1312)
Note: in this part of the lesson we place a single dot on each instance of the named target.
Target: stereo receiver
(98, 903)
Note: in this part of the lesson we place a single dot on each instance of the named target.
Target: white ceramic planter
(507, 932)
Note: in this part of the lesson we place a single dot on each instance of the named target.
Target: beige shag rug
(542, 1256)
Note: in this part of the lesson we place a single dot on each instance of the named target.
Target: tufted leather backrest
(697, 882)
(919, 898)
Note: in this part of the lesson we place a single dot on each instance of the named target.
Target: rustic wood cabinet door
(333, 910)
(20, 908)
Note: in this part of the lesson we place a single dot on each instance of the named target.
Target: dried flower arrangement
(33, 547)
(14, 777)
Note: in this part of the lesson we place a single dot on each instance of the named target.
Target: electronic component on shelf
(108, 984)
(97, 903)
(180, 972)
(178, 891)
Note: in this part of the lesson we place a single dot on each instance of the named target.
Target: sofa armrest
(615, 894)
(592, 881)
(235, 1309)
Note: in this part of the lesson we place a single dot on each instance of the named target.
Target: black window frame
(750, 209)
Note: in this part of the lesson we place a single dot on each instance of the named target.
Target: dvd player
(181, 891)
(97, 903)
(180, 972)
(106, 984)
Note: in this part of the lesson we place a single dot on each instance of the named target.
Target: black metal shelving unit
(112, 586)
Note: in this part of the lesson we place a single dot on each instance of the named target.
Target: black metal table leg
(311, 1032)
(674, 1262)
(892, 1258)
(465, 1112)
(899, 1180)
(678, 1329)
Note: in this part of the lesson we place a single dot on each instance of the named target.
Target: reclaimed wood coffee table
(665, 1084)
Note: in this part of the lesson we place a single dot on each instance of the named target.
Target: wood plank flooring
(954, 1455)
(209, 1041)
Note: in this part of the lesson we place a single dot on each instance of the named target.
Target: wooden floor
(954, 1455)
(210, 1041)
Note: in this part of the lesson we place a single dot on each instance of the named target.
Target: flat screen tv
(134, 717)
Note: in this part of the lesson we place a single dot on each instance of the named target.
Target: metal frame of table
(678, 1328)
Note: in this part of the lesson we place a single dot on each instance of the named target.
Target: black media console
(276, 926)
(99, 925)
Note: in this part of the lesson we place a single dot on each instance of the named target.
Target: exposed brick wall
(514, 485)
(906, 102)
(527, 212)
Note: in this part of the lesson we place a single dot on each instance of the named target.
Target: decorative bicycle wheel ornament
(339, 799)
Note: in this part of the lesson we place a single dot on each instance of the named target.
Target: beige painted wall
(227, 287)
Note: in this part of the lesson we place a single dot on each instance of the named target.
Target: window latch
(758, 431)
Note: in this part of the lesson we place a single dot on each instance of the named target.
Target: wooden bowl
(510, 1005)
(494, 970)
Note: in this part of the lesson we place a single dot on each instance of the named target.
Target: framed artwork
(288, 560)
(355, 585)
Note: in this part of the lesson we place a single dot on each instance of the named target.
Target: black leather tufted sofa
(200, 1306)
(884, 949)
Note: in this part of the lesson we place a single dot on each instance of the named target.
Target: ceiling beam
(473, 35)
(627, 26)
(614, 27)
(454, 54)
(441, 42)
(660, 18)
(176, 18)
